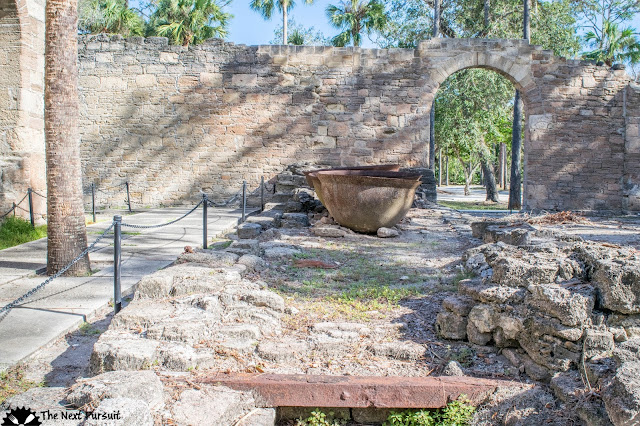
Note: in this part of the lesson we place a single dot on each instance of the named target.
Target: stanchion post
(93, 201)
(261, 193)
(244, 200)
(31, 218)
(14, 209)
(204, 220)
(128, 198)
(117, 263)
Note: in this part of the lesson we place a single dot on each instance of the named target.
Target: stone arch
(513, 61)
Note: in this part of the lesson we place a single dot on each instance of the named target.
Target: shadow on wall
(172, 131)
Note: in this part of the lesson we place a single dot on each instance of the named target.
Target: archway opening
(474, 140)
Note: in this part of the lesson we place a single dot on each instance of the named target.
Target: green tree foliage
(266, 8)
(613, 45)
(109, 16)
(355, 17)
(299, 35)
(188, 21)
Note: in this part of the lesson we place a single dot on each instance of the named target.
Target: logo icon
(21, 417)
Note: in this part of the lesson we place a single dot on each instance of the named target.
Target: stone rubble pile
(554, 304)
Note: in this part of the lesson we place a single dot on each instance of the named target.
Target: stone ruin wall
(22, 155)
(173, 121)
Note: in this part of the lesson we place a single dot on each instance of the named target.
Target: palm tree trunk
(436, 18)
(67, 236)
(489, 179)
(515, 191)
(284, 23)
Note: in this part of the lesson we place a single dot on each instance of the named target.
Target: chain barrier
(39, 195)
(13, 209)
(8, 213)
(129, 225)
(4, 311)
(235, 196)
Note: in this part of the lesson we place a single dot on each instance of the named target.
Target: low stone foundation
(555, 304)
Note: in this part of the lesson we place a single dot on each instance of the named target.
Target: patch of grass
(456, 413)
(13, 382)
(462, 275)
(319, 418)
(463, 355)
(220, 245)
(390, 295)
(473, 205)
(89, 330)
(15, 231)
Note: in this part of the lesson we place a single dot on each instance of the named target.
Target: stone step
(303, 390)
(291, 180)
(281, 197)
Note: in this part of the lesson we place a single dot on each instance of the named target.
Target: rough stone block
(249, 230)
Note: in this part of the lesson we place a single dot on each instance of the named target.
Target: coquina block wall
(22, 155)
(173, 120)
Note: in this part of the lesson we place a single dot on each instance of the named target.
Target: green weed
(13, 382)
(456, 413)
(320, 418)
(15, 231)
(89, 330)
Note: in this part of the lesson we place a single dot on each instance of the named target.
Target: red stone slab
(300, 390)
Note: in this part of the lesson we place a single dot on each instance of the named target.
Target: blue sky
(248, 27)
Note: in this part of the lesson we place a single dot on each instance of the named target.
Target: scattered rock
(622, 395)
(121, 412)
(628, 351)
(387, 232)
(258, 417)
(328, 231)
(451, 326)
(280, 252)
(211, 258)
(141, 385)
(295, 220)
(249, 230)
(252, 262)
(211, 405)
(270, 234)
(453, 368)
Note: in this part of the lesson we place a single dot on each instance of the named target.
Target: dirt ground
(392, 287)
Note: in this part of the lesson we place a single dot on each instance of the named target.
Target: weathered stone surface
(630, 324)
(619, 285)
(129, 411)
(459, 305)
(270, 234)
(622, 395)
(398, 350)
(453, 368)
(259, 417)
(387, 232)
(597, 343)
(484, 318)
(570, 305)
(294, 220)
(183, 280)
(517, 235)
(43, 399)
(476, 336)
(282, 350)
(567, 386)
(211, 258)
(280, 252)
(120, 351)
(141, 385)
(328, 231)
(628, 351)
(266, 220)
(265, 298)
(249, 230)
(488, 293)
(211, 405)
(245, 246)
(451, 326)
(252, 262)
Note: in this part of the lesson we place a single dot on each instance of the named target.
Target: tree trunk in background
(440, 167)
(432, 136)
(285, 39)
(468, 176)
(526, 22)
(486, 7)
(66, 233)
(489, 179)
(435, 31)
(503, 165)
(446, 161)
(515, 190)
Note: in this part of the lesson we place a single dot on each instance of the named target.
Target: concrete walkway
(66, 302)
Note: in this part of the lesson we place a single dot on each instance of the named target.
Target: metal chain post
(31, 218)
(244, 200)
(14, 208)
(117, 259)
(205, 203)
(128, 198)
(93, 200)
(261, 193)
